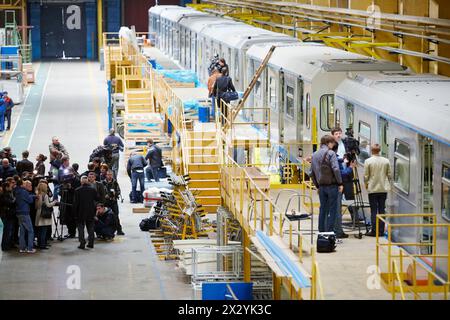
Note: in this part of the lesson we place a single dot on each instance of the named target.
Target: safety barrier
(411, 265)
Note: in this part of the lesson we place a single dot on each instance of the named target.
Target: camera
(350, 143)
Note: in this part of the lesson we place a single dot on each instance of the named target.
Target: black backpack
(326, 242)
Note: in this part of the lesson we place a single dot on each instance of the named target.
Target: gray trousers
(115, 164)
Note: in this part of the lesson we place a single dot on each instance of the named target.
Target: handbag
(46, 212)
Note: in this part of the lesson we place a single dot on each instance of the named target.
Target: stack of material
(138, 127)
(28, 73)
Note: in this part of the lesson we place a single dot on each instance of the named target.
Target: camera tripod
(358, 204)
(63, 206)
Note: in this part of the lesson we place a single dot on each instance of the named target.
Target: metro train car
(300, 77)
(154, 20)
(409, 116)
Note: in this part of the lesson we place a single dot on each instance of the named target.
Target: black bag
(326, 242)
(229, 96)
(149, 223)
(139, 196)
(326, 172)
(46, 212)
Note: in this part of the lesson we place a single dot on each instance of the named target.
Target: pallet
(141, 210)
(143, 125)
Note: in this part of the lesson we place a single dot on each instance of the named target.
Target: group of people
(137, 164)
(6, 106)
(220, 85)
(333, 175)
(88, 200)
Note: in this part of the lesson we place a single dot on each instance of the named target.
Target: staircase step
(208, 200)
(201, 192)
(204, 183)
(211, 166)
(198, 175)
(210, 208)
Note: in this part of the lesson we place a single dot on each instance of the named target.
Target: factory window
(326, 112)
(445, 191)
(308, 110)
(290, 101)
(401, 166)
(364, 141)
(337, 118)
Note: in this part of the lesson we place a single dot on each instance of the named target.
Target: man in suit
(84, 208)
(24, 165)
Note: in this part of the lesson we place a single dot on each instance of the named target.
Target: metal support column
(247, 256)
(100, 25)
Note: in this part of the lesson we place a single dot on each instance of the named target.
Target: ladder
(252, 84)
(13, 37)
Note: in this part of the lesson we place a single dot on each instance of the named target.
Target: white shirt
(341, 149)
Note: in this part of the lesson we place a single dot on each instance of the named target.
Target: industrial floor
(69, 100)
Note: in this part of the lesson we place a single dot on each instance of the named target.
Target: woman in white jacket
(43, 224)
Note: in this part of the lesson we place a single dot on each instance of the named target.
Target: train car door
(289, 118)
(300, 114)
(383, 128)
(272, 102)
(281, 101)
(426, 152)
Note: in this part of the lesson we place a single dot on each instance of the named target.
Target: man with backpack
(326, 176)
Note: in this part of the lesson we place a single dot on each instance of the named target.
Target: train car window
(445, 201)
(308, 110)
(364, 133)
(401, 166)
(337, 118)
(290, 101)
(349, 109)
(236, 64)
(327, 112)
(272, 93)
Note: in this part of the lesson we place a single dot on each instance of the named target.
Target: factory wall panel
(136, 12)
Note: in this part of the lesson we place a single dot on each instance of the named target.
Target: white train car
(409, 116)
(154, 21)
(302, 76)
(232, 43)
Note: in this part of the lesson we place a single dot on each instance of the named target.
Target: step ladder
(252, 84)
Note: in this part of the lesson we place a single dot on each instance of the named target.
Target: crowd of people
(6, 106)
(333, 175)
(88, 200)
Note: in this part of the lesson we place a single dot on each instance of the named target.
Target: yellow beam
(99, 25)
(374, 44)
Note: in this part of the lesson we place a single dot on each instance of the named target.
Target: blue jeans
(328, 196)
(338, 224)
(135, 176)
(152, 172)
(42, 235)
(25, 226)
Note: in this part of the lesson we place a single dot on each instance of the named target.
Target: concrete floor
(73, 107)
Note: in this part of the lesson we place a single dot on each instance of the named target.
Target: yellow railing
(412, 266)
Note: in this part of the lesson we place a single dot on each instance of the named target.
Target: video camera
(351, 145)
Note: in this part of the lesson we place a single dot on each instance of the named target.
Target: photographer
(105, 225)
(43, 223)
(112, 196)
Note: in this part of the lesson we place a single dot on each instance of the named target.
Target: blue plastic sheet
(181, 76)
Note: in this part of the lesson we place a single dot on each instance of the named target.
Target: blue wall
(35, 21)
(113, 13)
(91, 31)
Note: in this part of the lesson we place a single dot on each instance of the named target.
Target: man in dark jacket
(24, 199)
(7, 170)
(105, 225)
(135, 170)
(24, 165)
(326, 176)
(98, 187)
(9, 106)
(154, 158)
(8, 215)
(112, 196)
(116, 144)
(84, 208)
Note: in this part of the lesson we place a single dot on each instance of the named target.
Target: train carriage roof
(198, 23)
(237, 35)
(420, 102)
(156, 10)
(308, 59)
(176, 15)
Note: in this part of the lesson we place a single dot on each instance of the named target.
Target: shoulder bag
(46, 212)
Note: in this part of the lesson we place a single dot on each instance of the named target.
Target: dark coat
(106, 224)
(222, 85)
(24, 200)
(84, 203)
(7, 205)
(24, 165)
(154, 156)
(101, 192)
(40, 168)
(7, 172)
